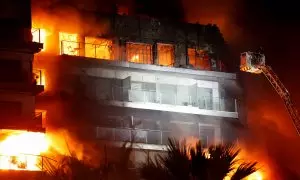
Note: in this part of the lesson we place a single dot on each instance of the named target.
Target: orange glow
(165, 53)
(20, 150)
(68, 44)
(39, 76)
(139, 53)
(39, 36)
(98, 48)
(135, 58)
(199, 59)
(243, 155)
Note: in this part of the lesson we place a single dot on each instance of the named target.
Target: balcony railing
(172, 98)
(99, 51)
(145, 136)
(104, 50)
(37, 35)
(10, 162)
(38, 76)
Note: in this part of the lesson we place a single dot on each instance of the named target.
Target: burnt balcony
(15, 38)
(14, 82)
(19, 122)
(145, 136)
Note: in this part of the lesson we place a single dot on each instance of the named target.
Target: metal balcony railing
(172, 98)
(38, 76)
(134, 52)
(136, 135)
(24, 162)
(98, 51)
(37, 35)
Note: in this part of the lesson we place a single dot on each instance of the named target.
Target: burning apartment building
(128, 78)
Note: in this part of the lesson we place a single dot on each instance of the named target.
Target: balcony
(99, 51)
(134, 53)
(144, 136)
(21, 122)
(172, 102)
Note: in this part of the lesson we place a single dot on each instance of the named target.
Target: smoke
(220, 12)
(67, 17)
(270, 134)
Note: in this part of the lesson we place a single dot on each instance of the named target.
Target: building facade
(17, 88)
(140, 79)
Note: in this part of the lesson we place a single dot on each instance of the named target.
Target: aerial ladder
(254, 62)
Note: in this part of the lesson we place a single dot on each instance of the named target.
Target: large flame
(21, 150)
(69, 44)
(39, 36)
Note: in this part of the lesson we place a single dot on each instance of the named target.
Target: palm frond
(222, 160)
(244, 170)
(199, 162)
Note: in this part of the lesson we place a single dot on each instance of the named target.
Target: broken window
(199, 59)
(68, 44)
(98, 48)
(139, 53)
(165, 54)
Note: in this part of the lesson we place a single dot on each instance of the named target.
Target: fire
(21, 150)
(39, 35)
(135, 58)
(39, 76)
(98, 48)
(68, 44)
(260, 174)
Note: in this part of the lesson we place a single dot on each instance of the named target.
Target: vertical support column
(81, 45)
(216, 97)
(235, 105)
(122, 50)
(115, 54)
(218, 138)
(154, 52)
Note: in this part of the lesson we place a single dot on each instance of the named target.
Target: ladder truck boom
(255, 63)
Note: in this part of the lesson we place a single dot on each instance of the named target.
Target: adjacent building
(17, 85)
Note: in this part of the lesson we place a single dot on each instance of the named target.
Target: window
(139, 53)
(205, 98)
(207, 135)
(199, 59)
(68, 44)
(165, 54)
(98, 48)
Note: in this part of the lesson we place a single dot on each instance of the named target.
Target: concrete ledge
(173, 108)
(93, 62)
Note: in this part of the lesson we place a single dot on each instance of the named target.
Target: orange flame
(260, 174)
(21, 150)
(69, 43)
(39, 36)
